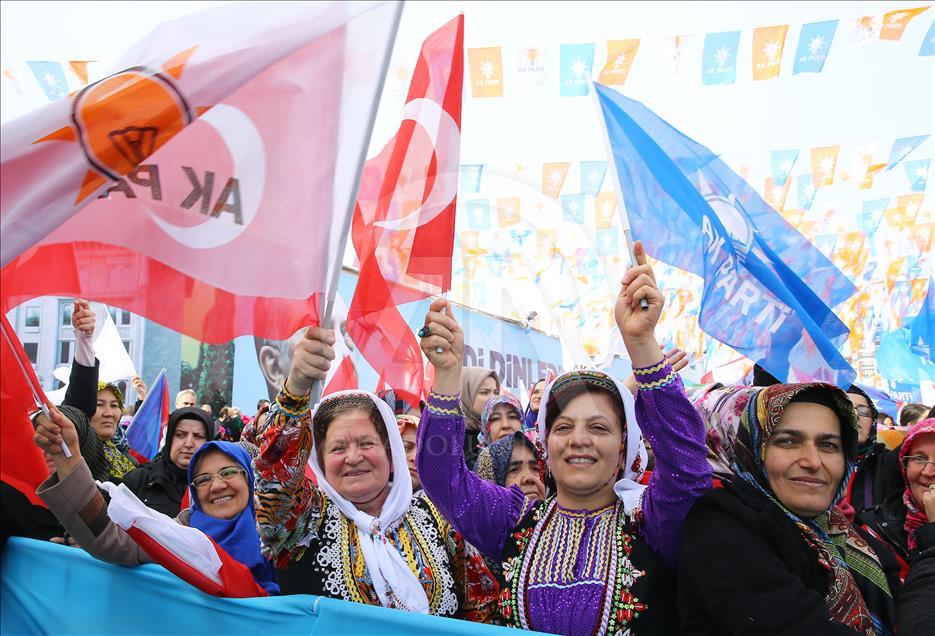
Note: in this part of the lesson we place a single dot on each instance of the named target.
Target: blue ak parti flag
(51, 78)
(573, 208)
(478, 213)
(574, 75)
(928, 42)
(771, 303)
(145, 431)
(814, 44)
(592, 176)
(783, 161)
(719, 59)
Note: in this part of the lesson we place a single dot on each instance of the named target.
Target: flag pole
(43, 404)
(331, 291)
(612, 166)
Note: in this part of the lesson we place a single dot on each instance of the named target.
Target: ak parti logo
(121, 120)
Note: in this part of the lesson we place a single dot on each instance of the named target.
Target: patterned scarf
(915, 514)
(118, 464)
(739, 423)
(483, 437)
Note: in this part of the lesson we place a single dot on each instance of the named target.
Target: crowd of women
(602, 507)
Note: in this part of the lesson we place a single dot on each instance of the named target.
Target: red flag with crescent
(404, 221)
(199, 185)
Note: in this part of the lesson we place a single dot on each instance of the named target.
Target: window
(66, 351)
(32, 317)
(67, 308)
(32, 351)
(126, 345)
(121, 316)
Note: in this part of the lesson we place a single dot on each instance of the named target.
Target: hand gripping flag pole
(621, 207)
(318, 385)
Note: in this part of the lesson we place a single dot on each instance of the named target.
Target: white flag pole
(318, 386)
(612, 166)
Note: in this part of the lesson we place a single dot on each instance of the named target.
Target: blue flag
(719, 60)
(783, 162)
(814, 44)
(576, 61)
(869, 218)
(922, 327)
(478, 213)
(573, 208)
(592, 176)
(607, 243)
(928, 42)
(903, 147)
(51, 77)
(146, 429)
(772, 304)
(917, 172)
(805, 191)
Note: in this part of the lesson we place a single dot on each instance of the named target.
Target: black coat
(916, 607)
(159, 484)
(21, 518)
(746, 569)
(877, 478)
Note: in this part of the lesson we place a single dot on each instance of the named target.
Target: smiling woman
(772, 537)
(359, 534)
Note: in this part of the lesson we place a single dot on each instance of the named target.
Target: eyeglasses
(864, 411)
(917, 462)
(226, 474)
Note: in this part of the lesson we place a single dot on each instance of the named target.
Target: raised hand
(442, 341)
(82, 318)
(637, 326)
(140, 387)
(311, 359)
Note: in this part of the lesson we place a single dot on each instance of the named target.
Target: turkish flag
(199, 186)
(21, 463)
(403, 224)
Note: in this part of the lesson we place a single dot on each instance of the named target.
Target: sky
(867, 95)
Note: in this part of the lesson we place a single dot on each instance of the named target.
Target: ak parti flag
(408, 198)
(768, 292)
(620, 56)
(824, 162)
(205, 184)
(768, 44)
(895, 22)
(21, 462)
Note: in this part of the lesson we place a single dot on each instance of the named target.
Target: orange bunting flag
(486, 72)
(80, 69)
(776, 195)
(620, 56)
(605, 206)
(895, 22)
(470, 244)
(553, 178)
(768, 43)
(850, 254)
(922, 236)
(824, 160)
(893, 272)
(910, 205)
(793, 215)
(508, 211)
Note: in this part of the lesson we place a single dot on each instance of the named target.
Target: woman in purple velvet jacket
(595, 558)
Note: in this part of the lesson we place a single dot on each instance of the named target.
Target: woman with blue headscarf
(221, 494)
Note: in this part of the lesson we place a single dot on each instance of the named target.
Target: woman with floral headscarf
(595, 557)
(501, 416)
(770, 552)
(357, 533)
(106, 422)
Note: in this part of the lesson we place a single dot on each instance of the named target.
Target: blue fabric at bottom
(46, 588)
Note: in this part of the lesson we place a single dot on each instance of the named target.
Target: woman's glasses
(225, 474)
(917, 462)
(864, 411)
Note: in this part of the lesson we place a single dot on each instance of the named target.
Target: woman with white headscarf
(595, 558)
(359, 534)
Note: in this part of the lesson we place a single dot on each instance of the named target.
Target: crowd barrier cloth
(46, 588)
